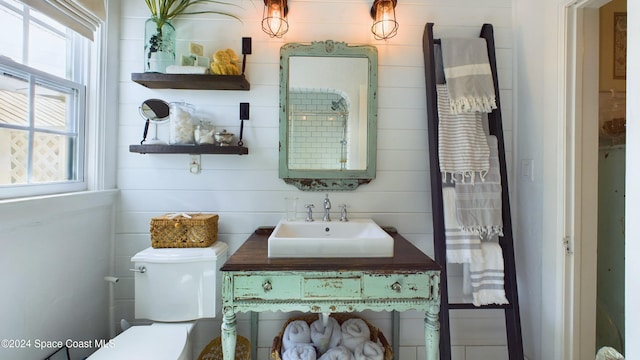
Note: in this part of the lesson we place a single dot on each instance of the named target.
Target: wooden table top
(252, 256)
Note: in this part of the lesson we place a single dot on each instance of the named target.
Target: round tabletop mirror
(156, 111)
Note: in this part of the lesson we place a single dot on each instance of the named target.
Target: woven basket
(213, 350)
(376, 334)
(179, 231)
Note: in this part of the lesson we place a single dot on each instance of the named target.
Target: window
(43, 75)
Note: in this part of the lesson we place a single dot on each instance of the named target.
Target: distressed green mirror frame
(323, 179)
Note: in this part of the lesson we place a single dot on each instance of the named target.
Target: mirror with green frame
(328, 115)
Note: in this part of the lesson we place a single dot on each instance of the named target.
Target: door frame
(578, 51)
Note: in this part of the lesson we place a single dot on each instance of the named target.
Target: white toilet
(173, 288)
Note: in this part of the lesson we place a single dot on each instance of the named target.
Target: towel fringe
(462, 176)
(485, 231)
(469, 104)
(484, 298)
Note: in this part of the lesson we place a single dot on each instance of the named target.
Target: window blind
(83, 16)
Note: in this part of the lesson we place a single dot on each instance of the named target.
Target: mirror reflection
(328, 115)
(329, 97)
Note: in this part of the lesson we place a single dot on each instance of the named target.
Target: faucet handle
(309, 208)
(343, 212)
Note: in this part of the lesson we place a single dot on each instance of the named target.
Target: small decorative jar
(181, 123)
(224, 138)
(204, 133)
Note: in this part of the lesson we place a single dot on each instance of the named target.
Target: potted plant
(160, 35)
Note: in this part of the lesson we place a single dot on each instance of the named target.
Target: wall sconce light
(274, 18)
(383, 13)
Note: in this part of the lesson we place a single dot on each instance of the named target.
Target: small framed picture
(620, 45)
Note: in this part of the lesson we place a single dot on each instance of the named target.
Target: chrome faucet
(309, 212)
(343, 212)
(327, 207)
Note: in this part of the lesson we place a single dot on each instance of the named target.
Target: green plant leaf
(163, 10)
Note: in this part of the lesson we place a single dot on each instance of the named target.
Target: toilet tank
(178, 284)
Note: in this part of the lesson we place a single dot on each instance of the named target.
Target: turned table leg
(228, 335)
(432, 332)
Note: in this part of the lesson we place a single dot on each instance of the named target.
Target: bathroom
(58, 259)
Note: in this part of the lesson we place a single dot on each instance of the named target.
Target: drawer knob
(267, 286)
(396, 287)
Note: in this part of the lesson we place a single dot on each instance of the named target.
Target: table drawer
(266, 287)
(402, 286)
(332, 287)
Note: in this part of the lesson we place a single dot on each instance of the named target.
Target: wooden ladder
(511, 311)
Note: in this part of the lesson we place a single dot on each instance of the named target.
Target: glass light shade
(383, 13)
(274, 18)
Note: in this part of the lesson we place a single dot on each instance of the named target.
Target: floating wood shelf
(191, 81)
(188, 149)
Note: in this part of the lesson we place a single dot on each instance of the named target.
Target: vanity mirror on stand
(328, 115)
(154, 111)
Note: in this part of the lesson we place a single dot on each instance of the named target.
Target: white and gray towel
(354, 332)
(487, 278)
(468, 75)
(478, 204)
(463, 151)
(369, 350)
(337, 353)
(297, 332)
(325, 337)
(300, 352)
(462, 246)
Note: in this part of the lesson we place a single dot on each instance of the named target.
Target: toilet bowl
(173, 288)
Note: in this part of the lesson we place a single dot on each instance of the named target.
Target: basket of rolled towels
(337, 337)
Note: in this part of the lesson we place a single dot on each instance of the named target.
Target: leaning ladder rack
(511, 310)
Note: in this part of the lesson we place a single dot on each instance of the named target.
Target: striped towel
(462, 246)
(487, 278)
(468, 75)
(479, 203)
(463, 150)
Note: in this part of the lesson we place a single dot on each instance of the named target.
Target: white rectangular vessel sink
(355, 238)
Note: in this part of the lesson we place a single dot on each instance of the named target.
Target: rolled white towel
(300, 352)
(369, 350)
(296, 332)
(608, 353)
(354, 332)
(324, 338)
(337, 353)
(180, 69)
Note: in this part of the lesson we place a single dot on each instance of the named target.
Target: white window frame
(80, 60)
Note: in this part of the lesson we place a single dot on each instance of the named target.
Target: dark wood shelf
(191, 81)
(188, 149)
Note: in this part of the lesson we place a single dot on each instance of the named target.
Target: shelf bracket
(244, 115)
(246, 49)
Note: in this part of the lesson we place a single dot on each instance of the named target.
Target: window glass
(11, 24)
(47, 49)
(14, 102)
(50, 158)
(52, 110)
(14, 156)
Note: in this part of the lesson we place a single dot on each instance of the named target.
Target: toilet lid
(157, 341)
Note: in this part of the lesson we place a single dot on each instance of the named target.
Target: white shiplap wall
(245, 190)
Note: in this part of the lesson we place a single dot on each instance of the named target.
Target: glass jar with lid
(204, 132)
(181, 123)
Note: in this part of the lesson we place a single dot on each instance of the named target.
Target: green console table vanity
(253, 282)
